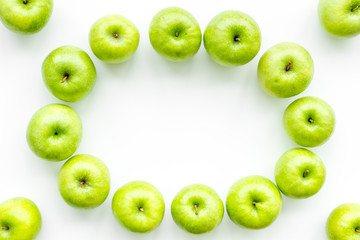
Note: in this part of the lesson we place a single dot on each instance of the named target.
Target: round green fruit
(197, 209)
(232, 38)
(175, 34)
(54, 132)
(69, 73)
(114, 39)
(299, 173)
(285, 70)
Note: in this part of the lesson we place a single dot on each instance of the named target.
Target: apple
(340, 18)
(344, 222)
(25, 16)
(197, 209)
(299, 173)
(54, 132)
(20, 219)
(84, 181)
(253, 202)
(138, 206)
(69, 73)
(285, 70)
(232, 38)
(309, 121)
(114, 39)
(175, 34)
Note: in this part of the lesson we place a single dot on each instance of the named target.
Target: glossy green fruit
(253, 202)
(232, 38)
(25, 16)
(20, 219)
(309, 121)
(54, 132)
(299, 173)
(84, 181)
(138, 206)
(285, 70)
(197, 209)
(175, 34)
(69, 73)
(114, 39)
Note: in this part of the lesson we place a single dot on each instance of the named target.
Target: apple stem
(176, 34)
(310, 120)
(237, 39)
(141, 209)
(355, 8)
(357, 230)
(254, 203)
(116, 35)
(82, 183)
(288, 67)
(196, 210)
(6, 228)
(65, 78)
(25, 1)
(306, 172)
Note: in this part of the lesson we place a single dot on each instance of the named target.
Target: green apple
(138, 206)
(232, 38)
(84, 181)
(54, 132)
(114, 39)
(299, 173)
(309, 121)
(25, 16)
(344, 222)
(20, 219)
(197, 209)
(253, 202)
(285, 70)
(340, 18)
(175, 34)
(69, 73)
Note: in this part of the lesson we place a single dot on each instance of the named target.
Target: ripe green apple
(344, 222)
(84, 181)
(54, 132)
(253, 202)
(340, 18)
(175, 34)
(114, 39)
(309, 121)
(299, 173)
(69, 73)
(25, 16)
(232, 38)
(20, 219)
(138, 206)
(285, 70)
(197, 209)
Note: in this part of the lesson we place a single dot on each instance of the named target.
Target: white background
(174, 124)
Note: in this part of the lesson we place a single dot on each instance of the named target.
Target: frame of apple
(232, 38)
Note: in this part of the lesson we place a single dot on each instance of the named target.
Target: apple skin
(20, 219)
(344, 222)
(220, 38)
(114, 39)
(285, 70)
(309, 121)
(54, 132)
(253, 202)
(69, 73)
(197, 209)
(25, 16)
(175, 34)
(299, 173)
(138, 206)
(84, 181)
(340, 18)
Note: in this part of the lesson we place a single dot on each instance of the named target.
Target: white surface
(174, 124)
